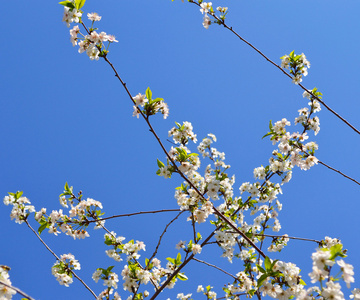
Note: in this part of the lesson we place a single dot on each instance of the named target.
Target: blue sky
(66, 118)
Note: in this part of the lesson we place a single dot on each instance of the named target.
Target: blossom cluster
(325, 260)
(290, 284)
(110, 279)
(75, 223)
(243, 284)
(148, 106)
(182, 133)
(297, 64)
(21, 206)
(5, 291)
(195, 248)
(93, 42)
(133, 274)
(207, 292)
(206, 8)
(130, 248)
(62, 269)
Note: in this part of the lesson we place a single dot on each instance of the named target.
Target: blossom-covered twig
(222, 22)
(54, 254)
(174, 164)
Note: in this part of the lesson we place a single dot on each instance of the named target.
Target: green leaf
(107, 271)
(261, 280)
(336, 251)
(182, 276)
(172, 260)
(79, 3)
(67, 4)
(193, 154)
(269, 133)
(270, 125)
(157, 100)
(273, 264)
(302, 282)
(160, 164)
(178, 259)
(18, 194)
(148, 94)
(260, 268)
(267, 263)
(42, 228)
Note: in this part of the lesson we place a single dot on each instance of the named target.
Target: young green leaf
(67, 4)
(79, 3)
(148, 94)
(160, 164)
(261, 279)
(182, 276)
(42, 227)
(267, 263)
(178, 259)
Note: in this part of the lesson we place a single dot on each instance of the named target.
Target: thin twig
(337, 171)
(241, 294)
(289, 237)
(280, 236)
(186, 261)
(133, 214)
(161, 236)
(53, 253)
(216, 267)
(16, 290)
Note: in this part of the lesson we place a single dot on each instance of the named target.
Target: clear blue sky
(66, 118)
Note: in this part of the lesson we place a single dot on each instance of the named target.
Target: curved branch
(161, 236)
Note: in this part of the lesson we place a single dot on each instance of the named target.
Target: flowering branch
(59, 259)
(175, 166)
(2, 292)
(221, 21)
